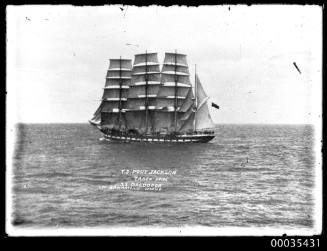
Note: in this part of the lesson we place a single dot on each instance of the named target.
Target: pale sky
(57, 57)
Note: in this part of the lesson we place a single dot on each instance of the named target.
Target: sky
(57, 57)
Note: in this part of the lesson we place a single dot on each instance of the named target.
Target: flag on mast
(215, 105)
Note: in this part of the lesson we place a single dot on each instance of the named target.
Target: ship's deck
(183, 138)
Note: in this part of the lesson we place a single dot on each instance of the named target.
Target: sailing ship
(140, 103)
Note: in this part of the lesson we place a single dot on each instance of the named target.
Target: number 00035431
(290, 242)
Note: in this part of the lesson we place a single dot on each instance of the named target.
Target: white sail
(203, 118)
(144, 87)
(96, 120)
(175, 85)
(109, 113)
(144, 99)
(186, 117)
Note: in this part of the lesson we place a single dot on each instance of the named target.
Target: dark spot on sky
(229, 8)
(122, 9)
(297, 67)
(125, 11)
(132, 44)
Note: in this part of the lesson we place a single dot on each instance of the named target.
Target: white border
(11, 137)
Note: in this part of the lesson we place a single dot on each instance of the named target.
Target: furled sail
(203, 119)
(175, 86)
(145, 84)
(110, 113)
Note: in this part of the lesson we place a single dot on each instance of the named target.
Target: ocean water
(64, 175)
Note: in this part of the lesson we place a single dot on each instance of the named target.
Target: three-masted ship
(142, 103)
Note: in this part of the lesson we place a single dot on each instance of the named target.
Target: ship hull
(163, 139)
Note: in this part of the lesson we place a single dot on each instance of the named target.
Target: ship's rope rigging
(124, 105)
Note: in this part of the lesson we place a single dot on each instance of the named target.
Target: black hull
(163, 139)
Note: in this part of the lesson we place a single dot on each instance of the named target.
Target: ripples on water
(248, 176)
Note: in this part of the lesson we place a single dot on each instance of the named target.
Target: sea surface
(66, 175)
